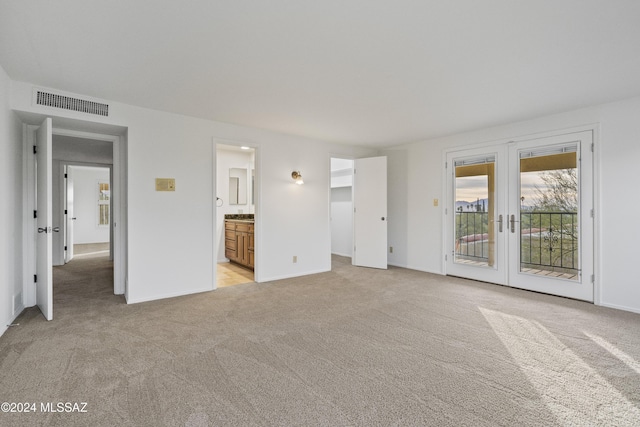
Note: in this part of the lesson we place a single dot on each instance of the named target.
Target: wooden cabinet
(239, 242)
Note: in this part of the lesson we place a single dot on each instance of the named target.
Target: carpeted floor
(351, 347)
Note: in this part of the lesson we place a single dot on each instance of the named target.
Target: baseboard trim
(170, 295)
(341, 254)
(408, 267)
(5, 325)
(291, 276)
(619, 307)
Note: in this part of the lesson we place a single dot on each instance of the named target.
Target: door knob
(42, 229)
(56, 229)
(382, 218)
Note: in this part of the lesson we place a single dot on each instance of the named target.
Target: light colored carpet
(351, 347)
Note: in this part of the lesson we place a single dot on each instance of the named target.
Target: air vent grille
(73, 104)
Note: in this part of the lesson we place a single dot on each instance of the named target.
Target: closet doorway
(342, 207)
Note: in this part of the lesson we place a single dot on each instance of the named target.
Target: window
(104, 200)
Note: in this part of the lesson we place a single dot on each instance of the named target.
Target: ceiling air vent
(49, 99)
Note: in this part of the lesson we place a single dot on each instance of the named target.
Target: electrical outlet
(390, 249)
(435, 202)
(295, 259)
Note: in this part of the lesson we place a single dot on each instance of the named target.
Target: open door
(44, 201)
(69, 216)
(370, 212)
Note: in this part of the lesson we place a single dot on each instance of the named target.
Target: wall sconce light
(297, 176)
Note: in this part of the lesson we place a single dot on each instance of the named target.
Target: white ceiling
(374, 72)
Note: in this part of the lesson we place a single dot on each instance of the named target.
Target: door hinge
(65, 248)
(446, 257)
(66, 176)
(592, 147)
(593, 214)
(35, 214)
(65, 212)
(593, 278)
(35, 149)
(446, 165)
(35, 278)
(446, 211)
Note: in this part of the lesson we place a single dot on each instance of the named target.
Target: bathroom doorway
(235, 213)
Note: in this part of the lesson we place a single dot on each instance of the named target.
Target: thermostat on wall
(165, 184)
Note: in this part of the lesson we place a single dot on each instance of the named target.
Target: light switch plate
(165, 184)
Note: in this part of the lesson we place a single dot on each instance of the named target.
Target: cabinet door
(242, 247)
(251, 251)
(245, 253)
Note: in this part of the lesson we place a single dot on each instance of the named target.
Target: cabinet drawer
(229, 225)
(230, 244)
(243, 227)
(229, 234)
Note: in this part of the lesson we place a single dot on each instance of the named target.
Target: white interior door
(69, 217)
(370, 212)
(44, 243)
(519, 214)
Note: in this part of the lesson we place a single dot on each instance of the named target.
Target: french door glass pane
(474, 216)
(549, 228)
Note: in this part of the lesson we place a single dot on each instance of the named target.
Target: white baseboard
(291, 276)
(169, 295)
(619, 307)
(340, 254)
(408, 267)
(5, 325)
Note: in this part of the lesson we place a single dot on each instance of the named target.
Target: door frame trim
(596, 186)
(257, 209)
(28, 203)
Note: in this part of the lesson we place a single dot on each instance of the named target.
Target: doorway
(341, 215)
(86, 224)
(39, 235)
(236, 200)
(520, 214)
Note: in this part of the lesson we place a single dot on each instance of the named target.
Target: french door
(521, 214)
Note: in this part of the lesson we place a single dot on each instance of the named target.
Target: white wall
(416, 178)
(85, 204)
(11, 220)
(171, 235)
(226, 160)
(292, 219)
